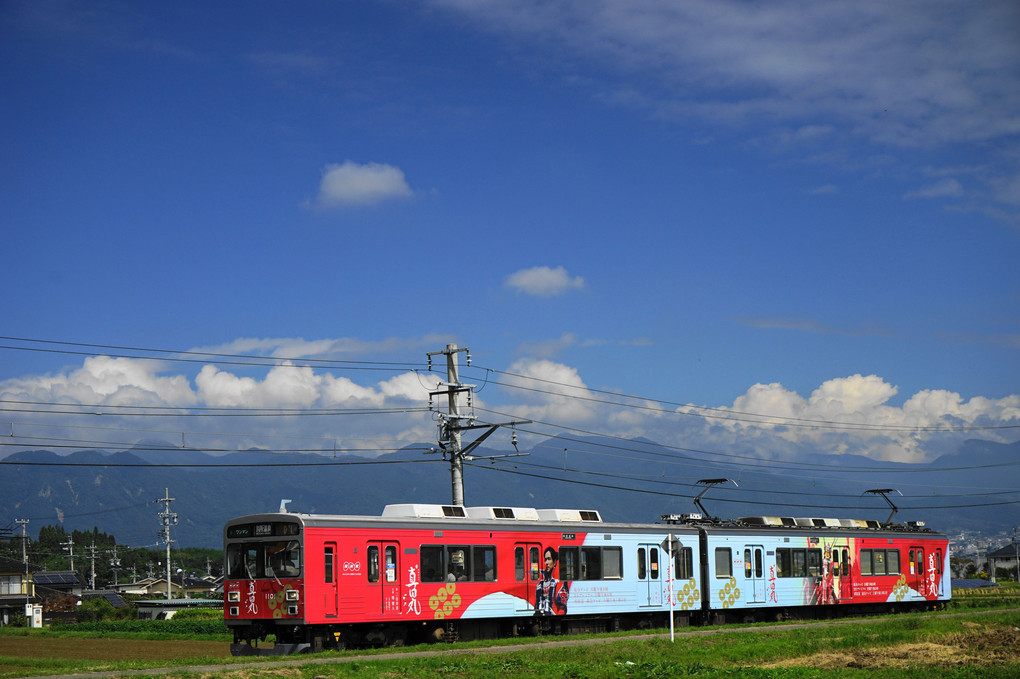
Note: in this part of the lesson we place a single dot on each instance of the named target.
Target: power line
(211, 357)
(726, 413)
(752, 502)
(743, 460)
(203, 411)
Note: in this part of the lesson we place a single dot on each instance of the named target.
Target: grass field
(963, 643)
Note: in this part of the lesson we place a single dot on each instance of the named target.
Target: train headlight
(233, 597)
(292, 595)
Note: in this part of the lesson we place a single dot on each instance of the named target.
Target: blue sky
(798, 210)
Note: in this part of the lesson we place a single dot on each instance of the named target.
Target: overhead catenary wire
(728, 414)
(737, 501)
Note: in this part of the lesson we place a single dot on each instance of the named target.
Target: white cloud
(944, 188)
(851, 415)
(902, 72)
(543, 281)
(351, 184)
(846, 415)
(105, 380)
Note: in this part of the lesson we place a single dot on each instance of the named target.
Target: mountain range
(975, 488)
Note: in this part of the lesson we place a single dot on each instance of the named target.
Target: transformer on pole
(452, 423)
(167, 519)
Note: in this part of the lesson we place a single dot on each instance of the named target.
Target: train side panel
(753, 571)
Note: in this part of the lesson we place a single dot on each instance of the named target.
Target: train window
(723, 562)
(570, 562)
(641, 563)
(535, 564)
(373, 563)
(283, 559)
(938, 561)
(759, 569)
(432, 564)
(612, 563)
(747, 562)
(814, 562)
(653, 562)
(483, 564)
(243, 561)
(683, 563)
(799, 561)
(880, 562)
(391, 563)
(866, 567)
(457, 563)
(329, 565)
(892, 561)
(784, 568)
(519, 564)
(844, 566)
(591, 563)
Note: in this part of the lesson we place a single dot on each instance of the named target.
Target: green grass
(965, 644)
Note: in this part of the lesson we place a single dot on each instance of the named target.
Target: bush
(199, 614)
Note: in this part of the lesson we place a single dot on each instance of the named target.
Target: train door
(329, 579)
(649, 576)
(527, 572)
(383, 568)
(754, 572)
(919, 575)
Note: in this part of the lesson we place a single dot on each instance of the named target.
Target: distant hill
(118, 496)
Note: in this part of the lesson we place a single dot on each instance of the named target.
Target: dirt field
(975, 645)
(104, 650)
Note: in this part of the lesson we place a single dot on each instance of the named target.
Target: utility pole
(92, 559)
(69, 546)
(167, 518)
(24, 554)
(1016, 555)
(452, 423)
(449, 430)
(115, 566)
(24, 539)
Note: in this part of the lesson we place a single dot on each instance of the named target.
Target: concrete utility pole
(452, 423)
(24, 554)
(24, 539)
(69, 546)
(167, 518)
(115, 566)
(1016, 555)
(92, 559)
(449, 430)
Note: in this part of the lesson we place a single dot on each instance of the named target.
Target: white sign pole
(669, 573)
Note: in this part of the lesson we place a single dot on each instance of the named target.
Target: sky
(767, 229)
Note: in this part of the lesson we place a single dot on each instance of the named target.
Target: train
(424, 573)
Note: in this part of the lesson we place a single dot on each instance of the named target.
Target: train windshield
(251, 560)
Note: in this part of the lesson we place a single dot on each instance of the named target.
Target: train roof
(415, 514)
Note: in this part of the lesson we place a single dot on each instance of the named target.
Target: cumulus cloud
(351, 184)
(852, 415)
(543, 281)
(856, 414)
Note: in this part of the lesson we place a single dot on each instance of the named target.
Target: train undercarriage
(254, 639)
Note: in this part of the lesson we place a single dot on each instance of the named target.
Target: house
(67, 583)
(1004, 557)
(16, 587)
(181, 587)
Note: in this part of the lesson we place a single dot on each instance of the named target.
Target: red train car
(430, 572)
